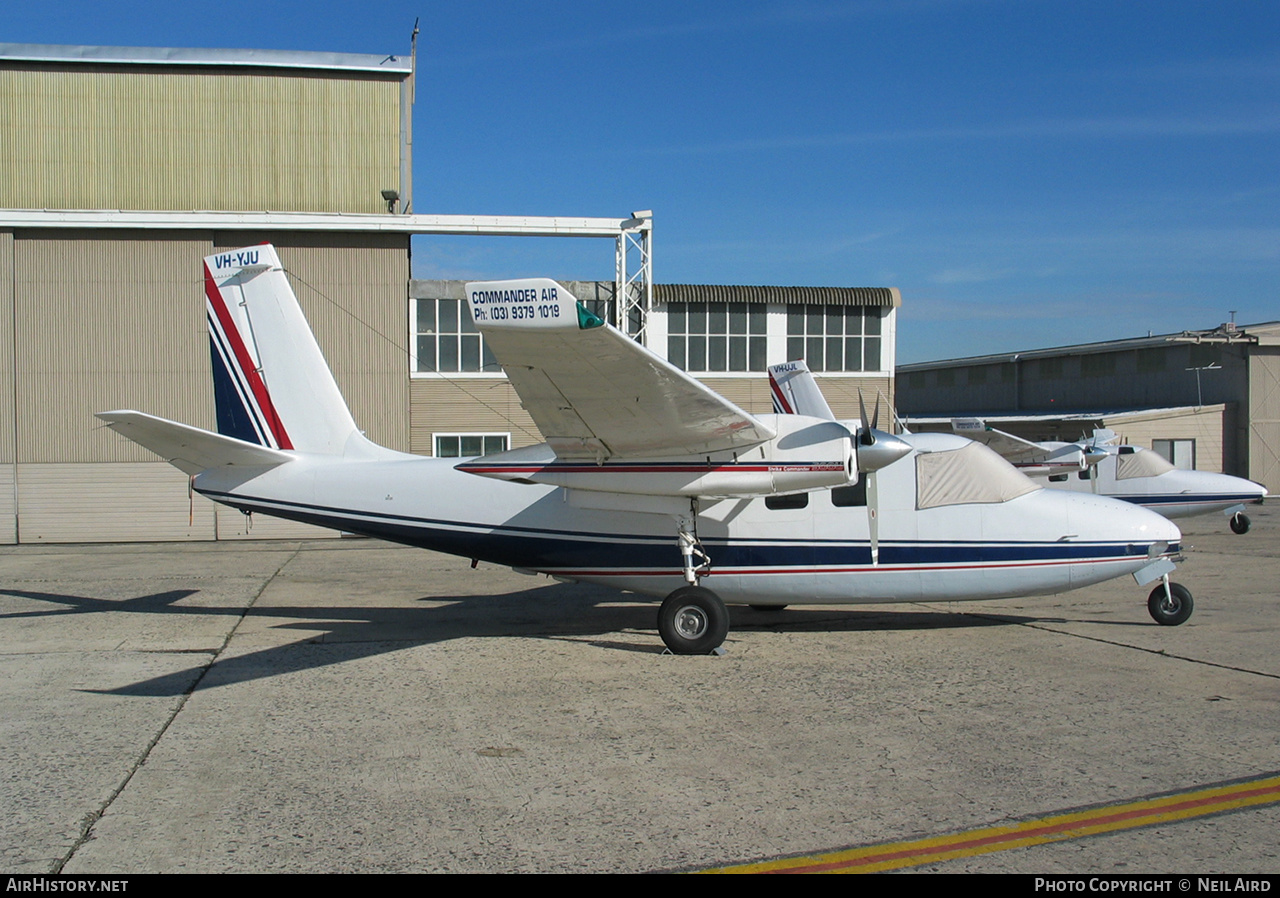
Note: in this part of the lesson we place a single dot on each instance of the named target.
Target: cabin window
(970, 475)
(717, 336)
(1140, 463)
(446, 339)
(835, 338)
(852, 496)
(1058, 478)
(794, 500)
(469, 445)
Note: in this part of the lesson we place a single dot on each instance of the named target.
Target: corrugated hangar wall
(164, 137)
(1264, 418)
(106, 321)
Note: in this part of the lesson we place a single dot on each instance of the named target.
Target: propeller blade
(865, 437)
(873, 517)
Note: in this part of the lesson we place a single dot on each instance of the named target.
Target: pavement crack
(1163, 653)
(90, 819)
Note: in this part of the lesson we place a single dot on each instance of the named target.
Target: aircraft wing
(594, 392)
(190, 449)
(1012, 449)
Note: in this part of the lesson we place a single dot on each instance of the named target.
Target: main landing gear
(693, 620)
(1170, 604)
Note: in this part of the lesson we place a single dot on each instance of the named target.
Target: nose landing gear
(1170, 604)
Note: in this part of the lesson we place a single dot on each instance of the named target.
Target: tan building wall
(1207, 426)
(1264, 415)
(197, 138)
(107, 321)
(8, 489)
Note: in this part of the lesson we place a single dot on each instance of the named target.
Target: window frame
(437, 436)
(487, 365)
(740, 325)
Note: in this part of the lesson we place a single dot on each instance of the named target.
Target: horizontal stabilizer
(190, 449)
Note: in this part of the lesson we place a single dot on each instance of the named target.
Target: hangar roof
(888, 297)
(1265, 333)
(178, 56)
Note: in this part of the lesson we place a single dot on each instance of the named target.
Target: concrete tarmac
(351, 706)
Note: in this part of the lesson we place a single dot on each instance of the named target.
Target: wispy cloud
(1118, 128)
(972, 275)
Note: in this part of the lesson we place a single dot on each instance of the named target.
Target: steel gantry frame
(633, 236)
(634, 286)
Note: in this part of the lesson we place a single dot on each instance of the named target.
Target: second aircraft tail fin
(795, 392)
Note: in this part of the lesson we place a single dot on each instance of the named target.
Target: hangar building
(1207, 399)
(125, 167)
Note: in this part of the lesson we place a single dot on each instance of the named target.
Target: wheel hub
(691, 622)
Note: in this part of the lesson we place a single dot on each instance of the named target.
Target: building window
(835, 338)
(446, 340)
(470, 445)
(1179, 453)
(717, 336)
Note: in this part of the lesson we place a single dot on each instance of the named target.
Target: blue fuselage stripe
(546, 549)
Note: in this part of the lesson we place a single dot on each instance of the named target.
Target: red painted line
(779, 397)
(610, 469)
(862, 569)
(1066, 826)
(1114, 817)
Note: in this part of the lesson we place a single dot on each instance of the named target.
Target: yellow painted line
(1037, 831)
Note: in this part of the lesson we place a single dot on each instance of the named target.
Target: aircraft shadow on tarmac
(575, 612)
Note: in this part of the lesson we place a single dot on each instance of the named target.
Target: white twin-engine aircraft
(1099, 465)
(648, 481)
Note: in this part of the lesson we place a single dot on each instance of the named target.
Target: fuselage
(1042, 541)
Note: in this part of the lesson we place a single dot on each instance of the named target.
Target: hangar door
(1264, 416)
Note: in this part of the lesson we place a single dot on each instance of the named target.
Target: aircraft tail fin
(272, 385)
(795, 392)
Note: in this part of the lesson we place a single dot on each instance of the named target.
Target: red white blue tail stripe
(244, 406)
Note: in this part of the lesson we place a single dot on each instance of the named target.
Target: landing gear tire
(768, 607)
(1240, 523)
(1172, 609)
(693, 621)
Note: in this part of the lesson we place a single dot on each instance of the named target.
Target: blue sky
(1028, 172)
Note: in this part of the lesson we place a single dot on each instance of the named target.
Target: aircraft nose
(1119, 521)
(1147, 526)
